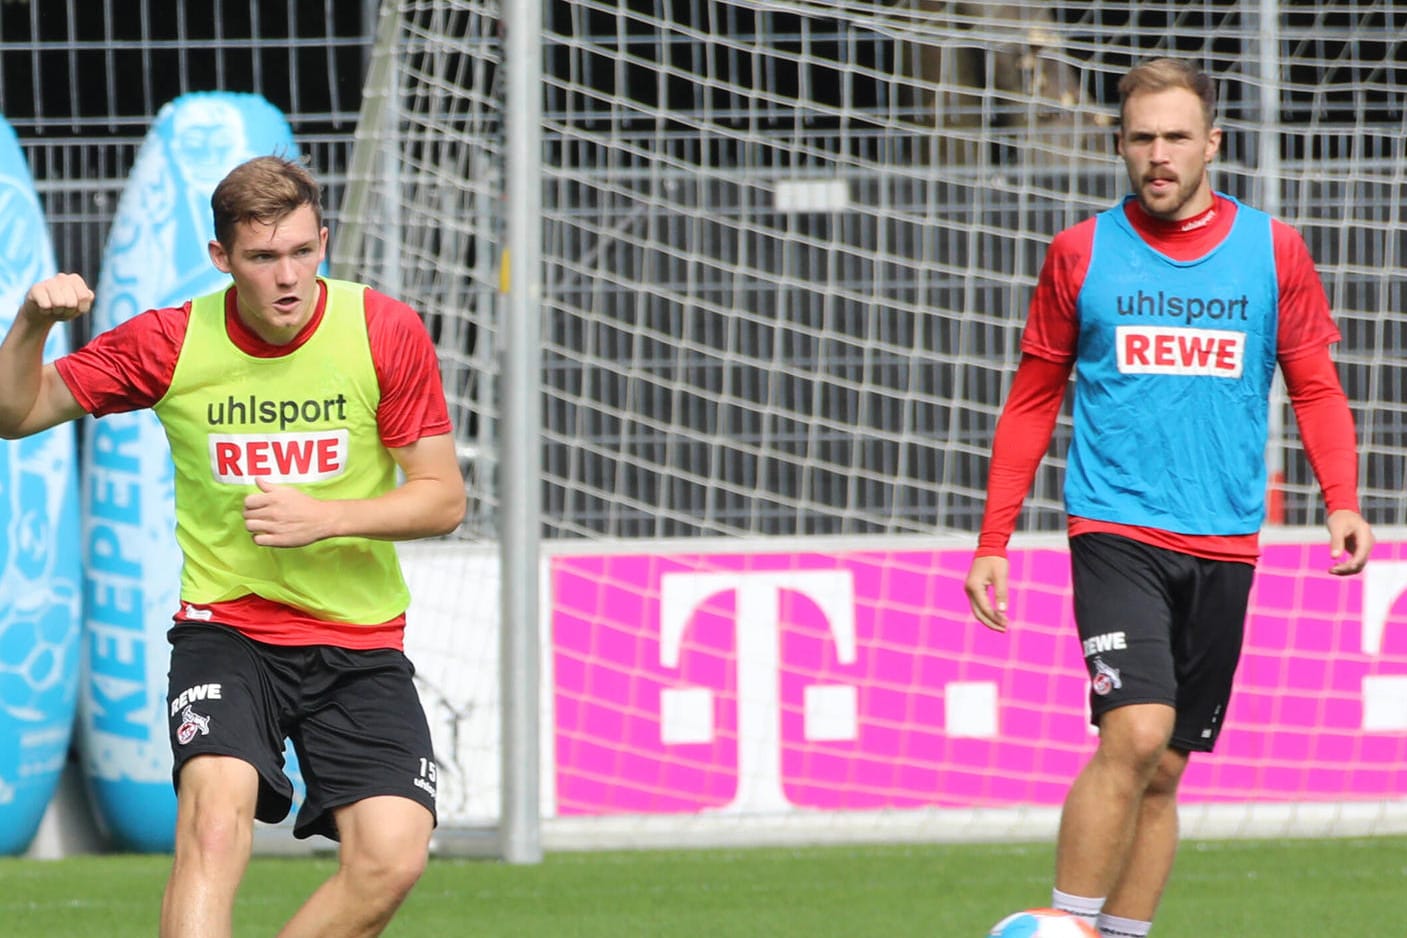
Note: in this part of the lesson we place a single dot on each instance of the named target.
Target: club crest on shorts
(1105, 679)
(191, 724)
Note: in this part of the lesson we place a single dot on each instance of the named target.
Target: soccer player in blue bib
(1173, 308)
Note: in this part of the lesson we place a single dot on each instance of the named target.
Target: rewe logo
(687, 715)
(1109, 641)
(1149, 350)
(240, 458)
(191, 694)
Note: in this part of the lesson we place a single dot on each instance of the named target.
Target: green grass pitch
(1334, 888)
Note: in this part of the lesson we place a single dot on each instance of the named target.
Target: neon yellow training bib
(306, 419)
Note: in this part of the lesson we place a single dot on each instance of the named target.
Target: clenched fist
(58, 299)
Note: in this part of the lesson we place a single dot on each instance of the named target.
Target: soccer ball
(1042, 923)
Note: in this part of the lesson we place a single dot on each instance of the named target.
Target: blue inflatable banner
(39, 547)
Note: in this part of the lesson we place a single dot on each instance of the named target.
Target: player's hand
(1350, 542)
(58, 299)
(283, 516)
(986, 591)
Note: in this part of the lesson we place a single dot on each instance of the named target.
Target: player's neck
(1198, 219)
(1183, 238)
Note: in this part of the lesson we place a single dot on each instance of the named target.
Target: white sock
(1078, 906)
(1112, 926)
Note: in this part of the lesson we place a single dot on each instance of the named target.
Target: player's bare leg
(1150, 862)
(385, 842)
(1103, 808)
(214, 836)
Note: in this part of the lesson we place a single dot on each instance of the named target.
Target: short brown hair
(1165, 74)
(265, 189)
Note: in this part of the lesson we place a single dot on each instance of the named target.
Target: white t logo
(830, 710)
(1384, 695)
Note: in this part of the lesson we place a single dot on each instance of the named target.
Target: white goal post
(728, 296)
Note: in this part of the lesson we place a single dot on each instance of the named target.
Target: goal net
(786, 248)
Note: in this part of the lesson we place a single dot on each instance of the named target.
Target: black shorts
(1159, 626)
(354, 718)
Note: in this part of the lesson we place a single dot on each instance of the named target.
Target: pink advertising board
(858, 680)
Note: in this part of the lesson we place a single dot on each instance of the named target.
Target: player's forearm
(416, 508)
(21, 373)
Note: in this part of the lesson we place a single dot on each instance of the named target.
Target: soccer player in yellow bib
(290, 402)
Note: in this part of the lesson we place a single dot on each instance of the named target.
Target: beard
(1169, 203)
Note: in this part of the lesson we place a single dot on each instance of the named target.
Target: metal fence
(657, 146)
(81, 81)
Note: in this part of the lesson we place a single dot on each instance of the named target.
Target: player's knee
(392, 882)
(215, 805)
(390, 869)
(1168, 773)
(1147, 744)
(1138, 737)
(405, 873)
(215, 832)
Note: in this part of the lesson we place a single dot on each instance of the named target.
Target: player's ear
(218, 256)
(1213, 143)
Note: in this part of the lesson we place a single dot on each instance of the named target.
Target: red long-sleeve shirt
(1305, 331)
